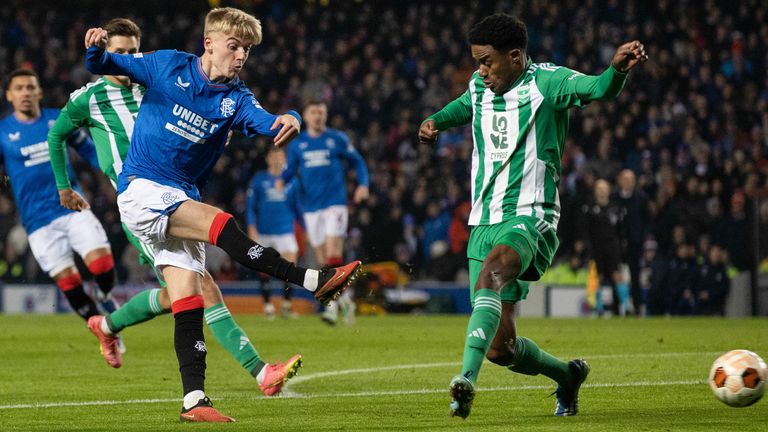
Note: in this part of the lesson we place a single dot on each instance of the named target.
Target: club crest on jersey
(329, 143)
(14, 136)
(227, 107)
(524, 93)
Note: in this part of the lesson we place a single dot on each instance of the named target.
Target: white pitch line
(487, 389)
(87, 403)
(303, 378)
(351, 394)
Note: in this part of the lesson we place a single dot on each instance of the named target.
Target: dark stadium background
(692, 124)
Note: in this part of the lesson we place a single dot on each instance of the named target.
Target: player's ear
(208, 44)
(516, 55)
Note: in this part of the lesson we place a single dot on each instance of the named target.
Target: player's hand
(628, 56)
(361, 194)
(96, 36)
(279, 185)
(290, 129)
(72, 200)
(229, 137)
(428, 132)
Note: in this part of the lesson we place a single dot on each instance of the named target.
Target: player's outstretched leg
(528, 359)
(231, 336)
(567, 395)
(327, 284)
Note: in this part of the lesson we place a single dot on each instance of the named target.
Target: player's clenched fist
(96, 36)
(428, 132)
(629, 55)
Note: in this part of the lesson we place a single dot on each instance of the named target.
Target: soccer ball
(738, 378)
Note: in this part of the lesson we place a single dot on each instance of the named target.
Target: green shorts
(534, 240)
(145, 253)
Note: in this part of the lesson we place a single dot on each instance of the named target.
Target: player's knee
(501, 356)
(211, 291)
(164, 300)
(500, 267)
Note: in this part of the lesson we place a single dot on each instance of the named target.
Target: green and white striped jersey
(518, 138)
(109, 111)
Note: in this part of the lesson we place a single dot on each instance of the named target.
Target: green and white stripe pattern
(488, 299)
(109, 111)
(216, 313)
(154, 301)
(518, 140)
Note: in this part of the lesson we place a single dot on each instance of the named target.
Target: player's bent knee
(501, 357)
(211, 291)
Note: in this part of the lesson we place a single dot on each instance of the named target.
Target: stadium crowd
(684, 149)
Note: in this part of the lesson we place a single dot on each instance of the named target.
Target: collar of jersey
(28, 122)
(208, 81)
(111, 84)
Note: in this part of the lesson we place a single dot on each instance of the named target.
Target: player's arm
(101, 62)
(361, 170)
(565, 88)
(251, 210)
(458, 112)
(57, 136)
(252, 120)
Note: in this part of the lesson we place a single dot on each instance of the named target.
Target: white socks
(311, 279)
(105, 327)
(192, 398)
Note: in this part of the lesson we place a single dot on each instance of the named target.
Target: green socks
(142, 307)
(481, 329)
(232, 338)
(529, 359)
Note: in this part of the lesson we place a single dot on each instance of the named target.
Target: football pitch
(384, 373)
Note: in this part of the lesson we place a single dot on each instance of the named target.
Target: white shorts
(327, 222)
(283, 243)
(52, 245)
(145, 208)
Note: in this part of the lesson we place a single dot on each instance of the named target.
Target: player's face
(498, 69)
(24, 94)
(276, 160)
(228, 53)
(316, 115)
(123, 45)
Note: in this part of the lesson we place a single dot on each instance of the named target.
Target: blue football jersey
(318, 162)
(24, 150)
(184, 117)
(272, 211)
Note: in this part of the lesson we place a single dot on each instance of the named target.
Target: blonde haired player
(190, 105)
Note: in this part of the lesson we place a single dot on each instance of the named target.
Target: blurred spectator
(601, 225)
(713, 284)
(635, 228)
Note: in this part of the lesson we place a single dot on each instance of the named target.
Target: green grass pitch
(389, 373)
